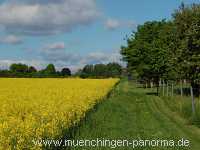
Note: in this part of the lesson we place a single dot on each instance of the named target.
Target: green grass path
(129, 113)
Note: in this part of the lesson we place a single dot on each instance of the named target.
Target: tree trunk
(160, 83)
(181, 88)
(172, 89)
(157, 86)
(151, 85)
(167, 88)
(193, 102)
(163, 85)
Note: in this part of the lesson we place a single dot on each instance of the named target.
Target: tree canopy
(101, 71)
(66, 72)
(168, 50)
(23, 70)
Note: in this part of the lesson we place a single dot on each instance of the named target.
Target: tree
(50, 69)
(100, 70)
(114, 70)
(151, 52)
(88, 71)
(19, 68)
(4, 73)
(187, 22)
(32, 69)
(66, 72)
(25, 71)
(146, 53)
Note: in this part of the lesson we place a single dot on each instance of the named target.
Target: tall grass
(183, 106)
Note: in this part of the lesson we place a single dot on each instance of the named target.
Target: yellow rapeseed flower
(37, 108)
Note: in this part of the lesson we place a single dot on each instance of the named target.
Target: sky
(73, 33)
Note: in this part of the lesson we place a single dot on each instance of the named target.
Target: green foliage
(19, 68)
(187, 22)
(166, 49)
(101, 71)
(50, 69)
(88, 70)
(146, 50)
(66, 72)
(5, 73)
(114, 69)
(32, 69)
(24, 71)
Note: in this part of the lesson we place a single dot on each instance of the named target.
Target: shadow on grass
(152, 93)
(186, 91)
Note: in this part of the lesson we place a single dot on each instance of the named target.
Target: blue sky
(72, 33)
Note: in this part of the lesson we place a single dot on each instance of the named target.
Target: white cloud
(56, 52)
(55, 46)
(100, 57)
(46, 17)
(11, 39)
(39, 64)
(113, 24)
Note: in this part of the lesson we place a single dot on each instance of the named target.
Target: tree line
(88, 71)
(113, 70)
(167, 50)
(23, 70)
